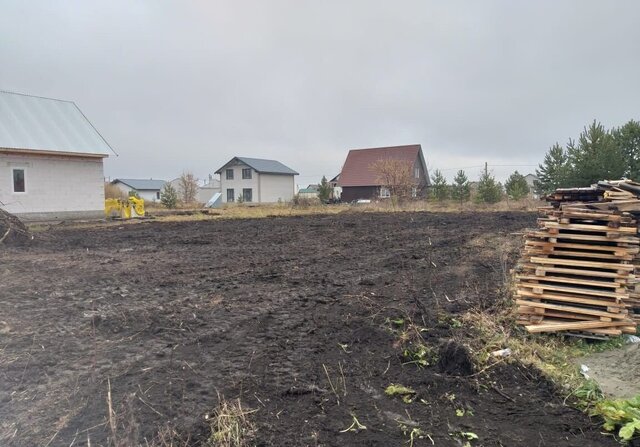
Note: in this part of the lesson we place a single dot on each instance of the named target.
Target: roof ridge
(37, 96)
(385, 147)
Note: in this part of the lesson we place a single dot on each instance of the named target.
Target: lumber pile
(580, 270)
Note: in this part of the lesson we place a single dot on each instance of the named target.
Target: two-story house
(255, 180)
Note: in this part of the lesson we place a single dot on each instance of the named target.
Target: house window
(230, 195)
(414, 192)
(157, 195)
(18, 181)
(416, 172)
(246, 173)
(247, 194)
(384, 192)
(230, 175)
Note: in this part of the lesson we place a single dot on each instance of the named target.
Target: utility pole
(486, 172)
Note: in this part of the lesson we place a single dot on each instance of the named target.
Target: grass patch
(230, 425)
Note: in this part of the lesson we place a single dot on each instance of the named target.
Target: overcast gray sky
(186, 85)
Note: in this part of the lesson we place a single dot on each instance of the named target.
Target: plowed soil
(297, 317)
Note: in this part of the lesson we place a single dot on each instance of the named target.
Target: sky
(179, 86)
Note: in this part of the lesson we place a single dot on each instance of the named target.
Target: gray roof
(141, 184)
(263, 166)
(45, 124)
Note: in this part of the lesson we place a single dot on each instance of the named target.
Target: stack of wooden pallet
(578, 271)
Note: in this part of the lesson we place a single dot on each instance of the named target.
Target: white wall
(274, 188)
(238, 184)
(205, 194)
(53, 184)
(147, 194)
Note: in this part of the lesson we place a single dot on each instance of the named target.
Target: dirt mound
(454, 359)
(615, 380)
(12, 230)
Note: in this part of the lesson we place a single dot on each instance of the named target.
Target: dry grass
(113, 192)
(230, 425)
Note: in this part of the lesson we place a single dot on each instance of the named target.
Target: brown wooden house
(358, 179)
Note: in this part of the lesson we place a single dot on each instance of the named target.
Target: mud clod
(454, 359)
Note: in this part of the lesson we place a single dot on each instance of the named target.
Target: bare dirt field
(298, 317)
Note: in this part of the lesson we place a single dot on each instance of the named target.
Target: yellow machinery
(124, 209)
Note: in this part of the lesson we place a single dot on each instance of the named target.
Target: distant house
(51, 159)
(358, 179)
(147, 189)
(256, 180)
(208, 190)
(310, 192)
(531, 182)
(336, 191)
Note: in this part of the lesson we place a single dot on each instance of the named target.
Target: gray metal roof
(263, 166)
(45, 124)
(141, 184)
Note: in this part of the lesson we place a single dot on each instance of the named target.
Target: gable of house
(358, 170)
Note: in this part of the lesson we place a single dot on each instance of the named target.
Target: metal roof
(141, 184)
(358, 167)
(43, 124)
(263, 166)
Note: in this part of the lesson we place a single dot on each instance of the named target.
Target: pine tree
(461, 190)
(516, 186)
(627, 139)
(324, 191)
(596, 156)
(489, 191)
(169, 196)
(439, 187)
(553, 172)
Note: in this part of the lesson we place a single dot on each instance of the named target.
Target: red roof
(357, 167)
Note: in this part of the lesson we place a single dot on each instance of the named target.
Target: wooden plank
(579, 254)
(580, 325)
(589, 264)
(577, 310)
(591, 228)
(607, 248)
(577, 272)
(564, 280)
(570, 298)
(584, 237)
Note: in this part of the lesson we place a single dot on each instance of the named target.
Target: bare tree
(396, 176)
(188, 187)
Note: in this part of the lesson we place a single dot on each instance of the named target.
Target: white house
(256, 180)
(147, 189)
(51, 159)
(207, 191)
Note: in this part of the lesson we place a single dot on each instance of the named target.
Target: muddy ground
(291, 315)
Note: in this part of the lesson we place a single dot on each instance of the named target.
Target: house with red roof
(359, 179)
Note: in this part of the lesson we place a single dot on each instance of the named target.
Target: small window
(18, 181)
(230, 175)
(246, 173)
(384, 192)
(157, 195)
(414, 192)
(230, 195)
(247, 194)
(416, 172)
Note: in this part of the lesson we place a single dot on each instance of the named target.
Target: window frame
(229, 174)
(386, 190)
(414, 192)
(24, 180)
(233, 195)
(250, 173)
(244, 195)
(416, 172)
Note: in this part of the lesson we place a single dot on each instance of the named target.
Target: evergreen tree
(169, 196)
(324, 191)
(461, 190)
(627, 139)
(516, 186)
(489, 191)
(596, 156)
(439, 187)
(553, 172)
